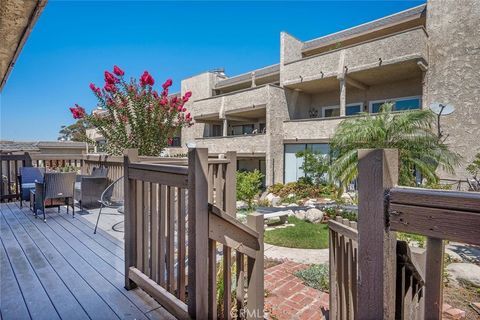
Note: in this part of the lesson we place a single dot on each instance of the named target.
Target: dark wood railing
(175, 217)
(392, 282)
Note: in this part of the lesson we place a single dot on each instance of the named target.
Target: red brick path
(288, 298)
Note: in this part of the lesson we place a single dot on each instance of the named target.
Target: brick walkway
(288, 298)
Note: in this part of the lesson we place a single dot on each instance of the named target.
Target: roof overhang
(17, 20)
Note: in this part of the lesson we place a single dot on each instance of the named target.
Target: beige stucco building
(429, 53)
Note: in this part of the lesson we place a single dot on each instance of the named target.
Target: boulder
(314, 215)
(300, 214)
(292, 205)
(467, 273)
(311, 202)
(241, 205)
(273, 199)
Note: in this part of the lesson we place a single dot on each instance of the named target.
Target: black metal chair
(106, 201)
(26, 180)
(89, 188)
(57, 189)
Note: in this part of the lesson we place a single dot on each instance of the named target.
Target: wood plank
(198, 233)
(171, 179)
(256, 289)
(93, 304)
(230, 192)
(146, 228)
(442, 199)
(378, 172)
(212, 280)
(177, 307)
(332, 258)
(229, 235)
(434, 279)
(12, 303)
(130, 189)
(139, 215)
(231, 220)
(181, 243)
(60, 296)
(461, 226)
(171, 213)
(240, 294)
(163, 168)
(154, 223)
(106, 281)
(344, 230)
(37, 300)
(162, 236)
(227, 282)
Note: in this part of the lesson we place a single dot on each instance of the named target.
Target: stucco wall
(453, 74)
(201, 87)
(243, 99)
(318, 129)
(277, 112)
(402, 46)
(241, 144)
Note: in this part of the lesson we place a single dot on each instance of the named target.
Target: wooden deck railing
(391, 281)
(175, 216)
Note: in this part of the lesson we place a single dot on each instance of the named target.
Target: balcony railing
(241, 99)
(403, 46)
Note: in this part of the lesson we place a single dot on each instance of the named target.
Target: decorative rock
(241, 205)
(311, 202)
(273, 199)
(314, 215)
(292, 205)
(464, 273)
(300, 214)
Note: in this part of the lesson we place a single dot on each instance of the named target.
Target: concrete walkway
(304, 256)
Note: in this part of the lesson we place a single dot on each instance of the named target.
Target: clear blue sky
(74, 42)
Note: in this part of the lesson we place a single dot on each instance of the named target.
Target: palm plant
(410, 132)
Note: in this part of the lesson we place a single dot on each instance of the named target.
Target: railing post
(230, 192)
(433, 279)
(256, 290)
(377, 173)
(130, 197)
(198, 233)
(28, 160)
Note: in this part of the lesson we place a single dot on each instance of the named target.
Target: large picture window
(292, 170)
(399, 104)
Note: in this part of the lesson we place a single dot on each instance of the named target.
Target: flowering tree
(134, 115)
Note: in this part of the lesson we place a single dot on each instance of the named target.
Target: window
(353, 109)
(242, 129)
(292, 171)
(329, 112)
(399, 104)
(262, 128)
(217, 130)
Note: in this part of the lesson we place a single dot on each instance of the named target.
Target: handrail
(166, 168)
(440, 199)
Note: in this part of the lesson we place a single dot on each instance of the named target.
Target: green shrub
(275, 188)
(248, 186)
(316, 276)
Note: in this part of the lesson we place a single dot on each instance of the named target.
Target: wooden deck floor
(61, 270)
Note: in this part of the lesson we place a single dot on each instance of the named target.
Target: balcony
(251, 144)
(407, 46)
(245, 99)
(322, 129)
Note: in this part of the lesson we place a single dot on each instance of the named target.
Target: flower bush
(133, 114)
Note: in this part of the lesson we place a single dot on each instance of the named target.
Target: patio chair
(26, 180)
(57, 189)
(106, 201)
(89, 188)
